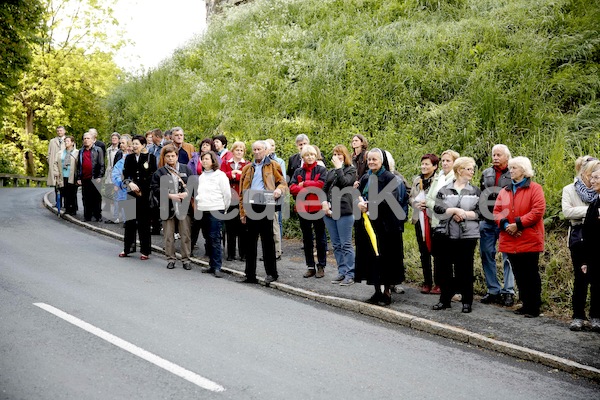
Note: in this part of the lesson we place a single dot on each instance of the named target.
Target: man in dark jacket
(492, 180)
(295, 161)
(90, 170)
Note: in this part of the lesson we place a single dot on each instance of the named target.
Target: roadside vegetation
(414, 76)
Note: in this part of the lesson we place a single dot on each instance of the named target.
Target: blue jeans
(487, 247)
(340, 232)
(211, 230)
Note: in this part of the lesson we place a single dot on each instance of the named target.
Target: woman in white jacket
(212, 200)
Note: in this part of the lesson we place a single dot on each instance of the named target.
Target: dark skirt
(388, 267)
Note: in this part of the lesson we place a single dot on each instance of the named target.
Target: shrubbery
(414, 76)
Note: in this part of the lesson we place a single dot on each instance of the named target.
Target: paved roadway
(67, 302)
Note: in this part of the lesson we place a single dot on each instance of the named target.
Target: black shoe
(187, 266)
(230, 258)
(270, 278)
(208, 270)
(466, 308)
(440, 306)
(108, 221)
(243, 258)
(248, 280)
(375, 299)
(278, 258)
(385, 300)
(509, 300)
(520, 311)
(171, 265)
(490, 298)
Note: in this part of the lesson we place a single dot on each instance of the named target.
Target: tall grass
(414, 76)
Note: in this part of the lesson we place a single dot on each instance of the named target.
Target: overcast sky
(157, 27)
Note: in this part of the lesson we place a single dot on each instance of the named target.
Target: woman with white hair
(519, 213)
(458, 210)
(384, 266)
(575, 202)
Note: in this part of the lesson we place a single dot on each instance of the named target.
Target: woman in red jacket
(310, 175)
(519, 212)
(234, 229)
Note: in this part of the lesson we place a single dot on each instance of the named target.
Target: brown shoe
(320, 272)
(309, 272)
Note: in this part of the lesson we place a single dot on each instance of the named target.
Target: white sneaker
(177, 236)
(595, 322)
(347, 282)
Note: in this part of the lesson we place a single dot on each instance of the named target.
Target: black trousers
(456, 270)
(69, 195)
(425, 257)
(439, 251)
(307, 239)
(92, 200)
(527, 275)
(580, 281)
(235, 232)
(141, 225)
(263, 228)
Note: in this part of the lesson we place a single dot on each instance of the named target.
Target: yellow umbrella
(370, 232)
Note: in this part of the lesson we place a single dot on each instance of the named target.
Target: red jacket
(227, 167)
(313, 176)
(526, 208)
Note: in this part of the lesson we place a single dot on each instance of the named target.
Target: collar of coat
(524, 185)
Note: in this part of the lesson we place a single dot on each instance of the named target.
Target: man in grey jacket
(493, 179)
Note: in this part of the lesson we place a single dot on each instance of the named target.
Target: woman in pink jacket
(519, 212)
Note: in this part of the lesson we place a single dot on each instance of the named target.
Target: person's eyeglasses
(470, 169)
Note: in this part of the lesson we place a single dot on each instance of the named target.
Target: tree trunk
(29, 155)
(29, 122)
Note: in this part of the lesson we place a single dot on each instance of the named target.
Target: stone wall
(216, 6)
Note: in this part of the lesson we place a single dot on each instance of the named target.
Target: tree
(71, 72)
(20, 25)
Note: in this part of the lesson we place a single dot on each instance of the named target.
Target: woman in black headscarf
(384, 267)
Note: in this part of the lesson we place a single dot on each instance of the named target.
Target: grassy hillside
(414, 76)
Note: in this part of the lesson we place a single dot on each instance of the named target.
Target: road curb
(393, 316)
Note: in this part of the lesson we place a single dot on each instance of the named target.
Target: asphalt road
(67, 303)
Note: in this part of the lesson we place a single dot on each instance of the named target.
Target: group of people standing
(361, 195)
(451, 214)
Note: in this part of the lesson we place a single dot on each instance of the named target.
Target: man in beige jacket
(55, 146)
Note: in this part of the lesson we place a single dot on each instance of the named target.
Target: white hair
(524, 163)
(502, 147)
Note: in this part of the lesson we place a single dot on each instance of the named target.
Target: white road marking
(133, 349)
